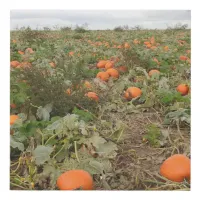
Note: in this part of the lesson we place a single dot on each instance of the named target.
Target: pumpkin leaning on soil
(176, 168)
(75, 179)
(153, 71)
(132, 92)
(113, 73)
(104, 76)
(183, 89)
(13, 118)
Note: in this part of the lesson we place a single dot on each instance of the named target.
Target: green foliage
(168, 97)
(153, 135)
(178, 116)
(85, 116)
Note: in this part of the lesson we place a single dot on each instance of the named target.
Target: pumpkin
(148, 45)
(21, 52)
(71, 53)
(14, 63)
(13, 118)
(166, 48)
(13, 106)
(52, 64)
(183, 89)
(87, 84)
(153, 71)
(132, 92)
(183, 57)
(176, 168)
(102, 63)
(68, 91)
(109, 65)
(92, 95)
(24, 65)
(75, 179)
(104, 76)
(127, 45)
(113, 73)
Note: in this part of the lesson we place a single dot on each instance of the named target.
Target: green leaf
(15, 144)
(42, 154)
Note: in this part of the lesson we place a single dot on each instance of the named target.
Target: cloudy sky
(104, 19)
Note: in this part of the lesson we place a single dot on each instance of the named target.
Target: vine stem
(59, 150)
(76, 152)
(34, 105)
(40, 132)
(51, 138)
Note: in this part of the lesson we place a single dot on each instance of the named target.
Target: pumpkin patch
(86, 112)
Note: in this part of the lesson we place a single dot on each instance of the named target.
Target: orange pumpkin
(176, 168)
(102, 63)
(183, 58)
(14, 63)
(132, 92)
(127, 45)
(75, 179)
(13, 118)
(146, 42)
(153, 71)
(71, 53)
(68, 91)
(92, 95)
(13, 106)
(183, 89)
(113, 73)
(24, 65)
(166, 48)
(109, 65)
(21, 52)
(104, 76)
(148, 45)
(52, 64)
(87, 84)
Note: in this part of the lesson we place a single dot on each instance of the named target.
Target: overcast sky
(105, 19)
